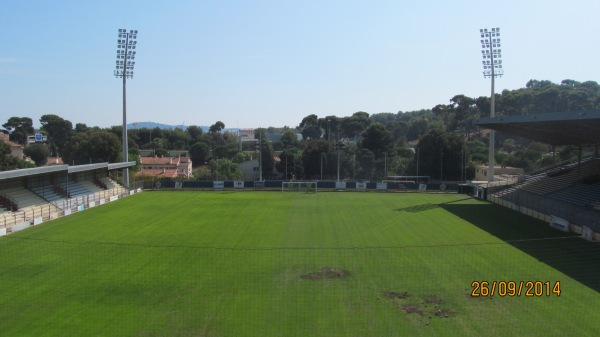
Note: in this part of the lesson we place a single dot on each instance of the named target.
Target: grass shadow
(426, 207)
(572, 256)
(418, 208)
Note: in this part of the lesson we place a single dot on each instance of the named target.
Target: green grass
(239, 264)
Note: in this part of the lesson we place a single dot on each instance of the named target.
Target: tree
(267, 159)
(377, 139)
(310, 127)
(7, 162)
(365, 164)
(509, 145)
(178, 139)
(217, 127)
(161, 152)
(315, 152)
(384, 117)
(224, 169)
(81, 127)
(59, 130)
(331, 125)
(292, 159)
(416, 128)
(240, 157)
(195, 133)
(38, 153)
(440, 155)
(354, 125)
(19, 128)
(220, 151)
(398, 131)
(98, 146)
(289, 138)
(199, 153)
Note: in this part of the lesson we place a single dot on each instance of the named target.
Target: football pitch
(295, 264)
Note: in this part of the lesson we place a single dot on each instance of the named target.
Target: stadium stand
(82, 188)
(541, 184)
(561, 177)
(580, 194)
(48, 193)
(571, 191)
(35, 195)
(108, 183)
(23, 198)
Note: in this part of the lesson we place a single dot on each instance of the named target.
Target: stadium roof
(62, 168)
(556, 128)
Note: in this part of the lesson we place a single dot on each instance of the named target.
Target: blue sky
(270, 63)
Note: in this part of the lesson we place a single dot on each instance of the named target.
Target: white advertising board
(20, 226)
(381, 187)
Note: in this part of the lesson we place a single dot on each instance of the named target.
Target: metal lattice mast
(492, 67)
(124, 68)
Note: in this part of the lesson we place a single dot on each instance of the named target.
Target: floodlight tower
(125, 62)
(492, 67)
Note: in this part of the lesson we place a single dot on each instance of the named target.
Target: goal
(299, 186)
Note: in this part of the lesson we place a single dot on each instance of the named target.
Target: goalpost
(299, 186)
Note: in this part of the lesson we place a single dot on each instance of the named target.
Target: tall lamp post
(338, 146)
(492, 67)
(260, 147)
(125, 62)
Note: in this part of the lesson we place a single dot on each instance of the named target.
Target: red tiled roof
(159, 173)
(12, 144)
(159, 160)
(55, 161)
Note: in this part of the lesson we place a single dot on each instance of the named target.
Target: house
(16, 150)
(54, 161)
(500, 172)
(165, 167)
(246, 135)
(250, 170)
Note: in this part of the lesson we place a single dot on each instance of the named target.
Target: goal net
(299, 186)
